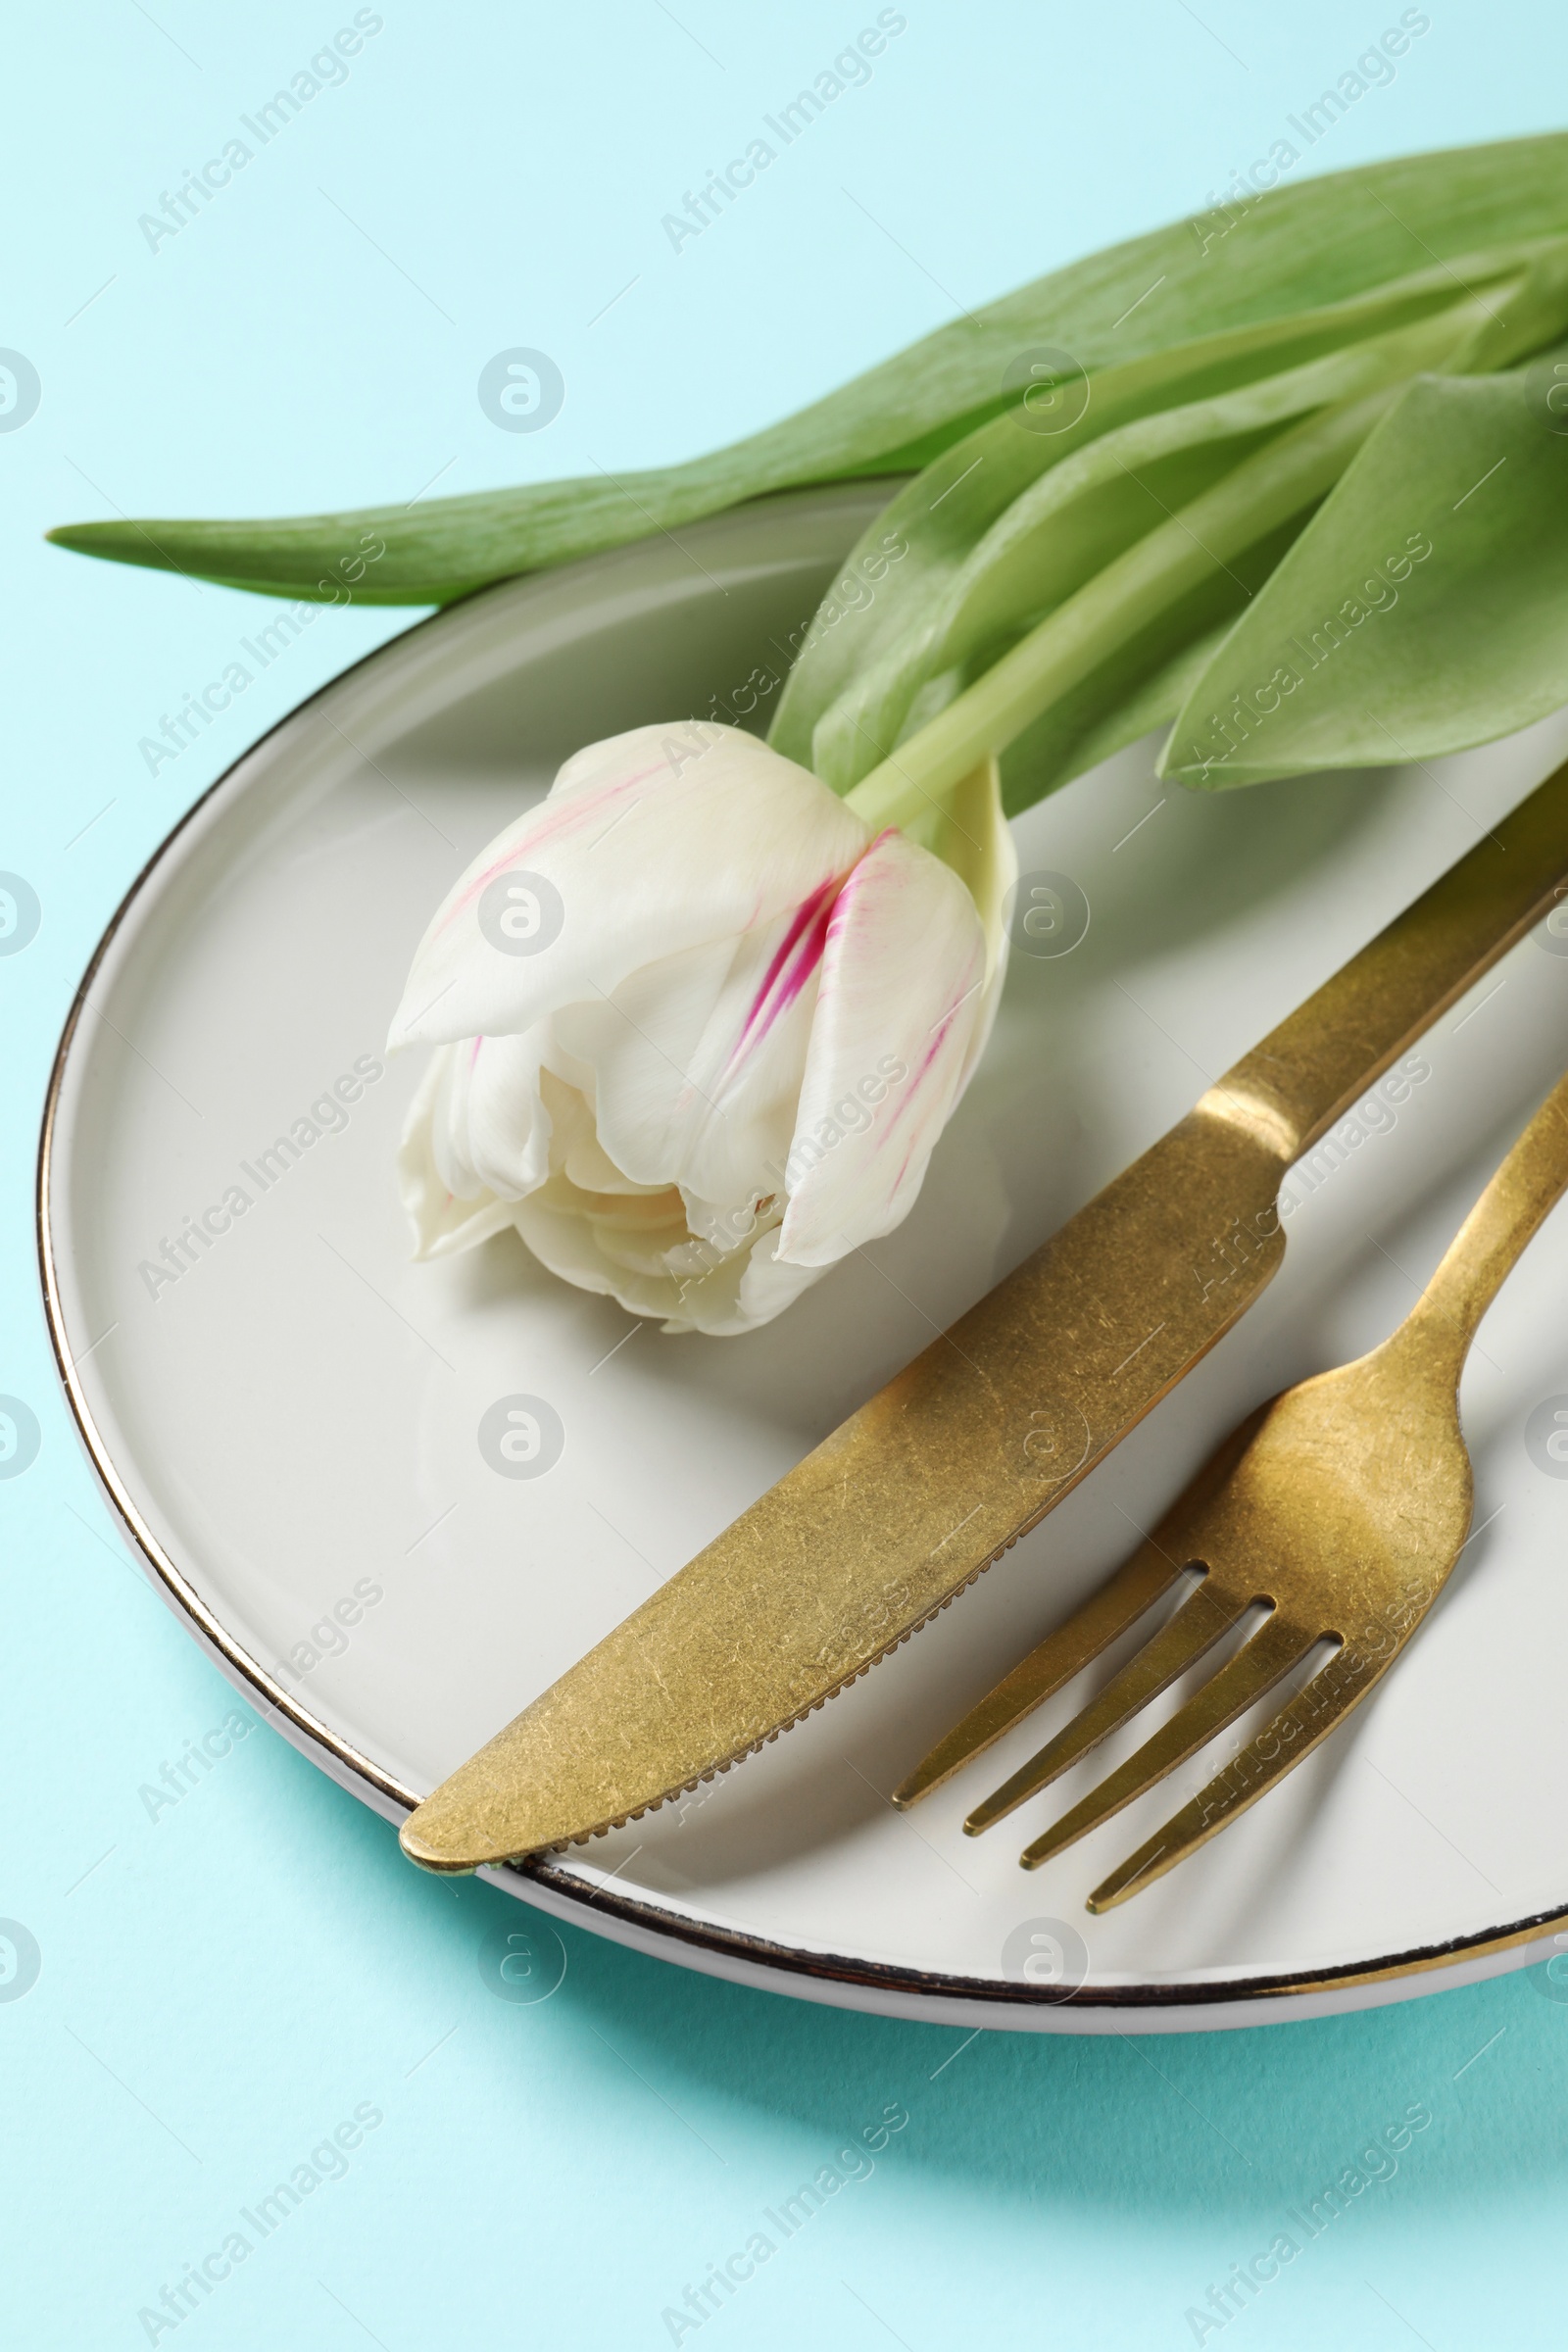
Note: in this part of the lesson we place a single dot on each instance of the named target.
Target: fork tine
(1323, 1703)
(1200, 1621)
(1255, 1668)
(1176, 1542)
(1119, 1602)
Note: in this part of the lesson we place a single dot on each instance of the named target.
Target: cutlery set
(1340, 1508)
(1310, 1546)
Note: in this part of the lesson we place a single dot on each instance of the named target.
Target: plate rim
(882, 1987)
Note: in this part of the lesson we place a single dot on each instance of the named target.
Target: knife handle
(1306, 1073)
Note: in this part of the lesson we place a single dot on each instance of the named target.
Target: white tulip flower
(699, 1027)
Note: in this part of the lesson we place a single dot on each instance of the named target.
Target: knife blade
(965, 1449)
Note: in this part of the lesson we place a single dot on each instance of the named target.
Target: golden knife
(974, 1441)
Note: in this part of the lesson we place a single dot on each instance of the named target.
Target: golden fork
(1340, 1507)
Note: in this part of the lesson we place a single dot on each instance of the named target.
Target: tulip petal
(903, 992)
(968, 830)
(652, 843)
(490, 1121)
(723, 1299)
(575, 1150)
(445, 1220)
(695, 1061)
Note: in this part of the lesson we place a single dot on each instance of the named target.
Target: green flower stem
(1262, 493)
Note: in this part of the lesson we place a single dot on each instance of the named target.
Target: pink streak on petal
(796, 959)
(842, 896)
(808, 915)
(474, 1056)
(854, 882)
(555, 820)
(843, 912)
(938, 1038)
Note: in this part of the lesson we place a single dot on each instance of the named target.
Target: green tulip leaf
(1423, 609)
(1300, 248)
(971, 572)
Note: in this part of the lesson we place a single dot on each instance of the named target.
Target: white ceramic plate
(289, 1431)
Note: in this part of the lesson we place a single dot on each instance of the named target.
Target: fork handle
(1494, 1237)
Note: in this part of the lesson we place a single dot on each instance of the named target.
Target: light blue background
(225, 1984)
